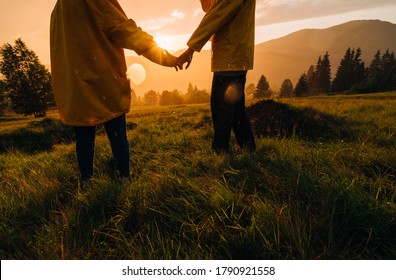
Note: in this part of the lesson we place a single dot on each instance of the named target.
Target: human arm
(162, 57)
(125, 33)
(218, 13)
(216, 17)
(134, 38)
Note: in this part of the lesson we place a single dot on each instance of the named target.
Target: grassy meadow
(302, 195)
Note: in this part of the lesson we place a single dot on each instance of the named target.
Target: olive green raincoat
(232, 24)
(88, 63)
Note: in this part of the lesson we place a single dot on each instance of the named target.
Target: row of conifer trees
(352, 76)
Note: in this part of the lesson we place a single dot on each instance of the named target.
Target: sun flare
(163, 41)
(136, 73)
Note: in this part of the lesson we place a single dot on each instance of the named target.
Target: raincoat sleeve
(124, 32)
(216, 17)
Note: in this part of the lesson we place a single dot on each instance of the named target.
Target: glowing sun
(136, 73)
(163, 41)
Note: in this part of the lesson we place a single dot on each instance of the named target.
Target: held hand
(185, 57)
(175, 64)
(178, 65)
(162, 57)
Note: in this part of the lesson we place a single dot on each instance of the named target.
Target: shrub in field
(42, 136)
(37, 136)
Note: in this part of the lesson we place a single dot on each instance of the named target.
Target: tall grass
(295, 198)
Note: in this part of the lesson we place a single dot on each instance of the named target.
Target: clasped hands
(185, 57)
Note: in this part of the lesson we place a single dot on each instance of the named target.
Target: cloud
(182, 17)
(162, 22)
(22, 18)
(198, 13)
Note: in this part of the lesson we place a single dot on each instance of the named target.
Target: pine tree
(310, 80)
(286, 89)
(359, 72)
(323, 74)
(382, 72)
(351, 72)
(302, 87)
(343, 78)
(262, 89)
(388, 65)
(190, 89)
(27, 81)
(375, 73)
(319, 76)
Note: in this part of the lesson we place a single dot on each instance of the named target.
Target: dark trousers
(228, 112)
(85, 145)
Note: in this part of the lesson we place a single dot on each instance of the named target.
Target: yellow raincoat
(232, 24)
(88, 63)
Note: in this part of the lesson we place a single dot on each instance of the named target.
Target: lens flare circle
(136, 73)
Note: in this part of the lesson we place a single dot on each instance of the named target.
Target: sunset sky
(172, 21)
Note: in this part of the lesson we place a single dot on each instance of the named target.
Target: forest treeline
(25, 83)
(175, 97)
(352, 76)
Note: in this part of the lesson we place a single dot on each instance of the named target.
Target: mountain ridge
(283, 58)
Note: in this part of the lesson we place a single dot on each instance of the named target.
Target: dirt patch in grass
(274, 119)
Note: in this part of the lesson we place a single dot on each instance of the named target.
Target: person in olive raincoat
(230, 25)
(88, 69)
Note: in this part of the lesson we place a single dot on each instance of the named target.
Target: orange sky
(171, 21)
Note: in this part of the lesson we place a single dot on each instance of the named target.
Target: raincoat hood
(206, 4)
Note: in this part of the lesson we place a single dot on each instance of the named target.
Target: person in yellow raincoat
(88, 69)
(230, 25)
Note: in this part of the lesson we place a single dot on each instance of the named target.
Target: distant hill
(286, 57)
